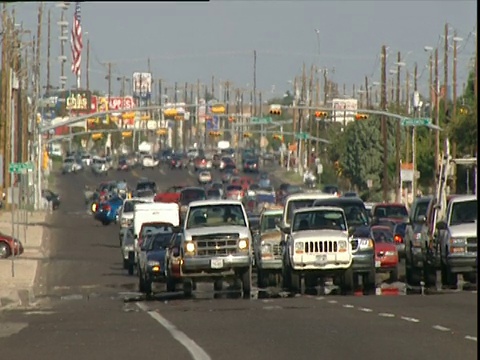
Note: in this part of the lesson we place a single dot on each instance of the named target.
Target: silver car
(127, 242)
(99, 166)
(70, 165)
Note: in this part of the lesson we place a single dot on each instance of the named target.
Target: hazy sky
(190, 41)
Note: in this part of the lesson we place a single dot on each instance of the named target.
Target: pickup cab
(457, 241)
(216, 245)
(317, 246)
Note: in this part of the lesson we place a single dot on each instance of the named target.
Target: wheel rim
(3, 250)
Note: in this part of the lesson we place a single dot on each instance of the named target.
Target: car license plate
(378, 263)
(216, 263)
(321, 259)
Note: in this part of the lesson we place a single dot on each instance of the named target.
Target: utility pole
(4, 98)
(213, 88)
(87, 65)
(445, 67)
(383, 106)
(407, 109)
(175, 122)
(184, 124)
(254, 82)
(37, 82)
(109, 83)
(310, 114)
(397, 92)
(325, 87)
(398, 137)
(63, 38)
(436, 92)
(454, 110)
(49, 39)
(367, 93)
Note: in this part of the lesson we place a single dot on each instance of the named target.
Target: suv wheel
(246, 279)
(368, 281)
(171, 285)
(187, 288)
(347, 283)
(141, 283)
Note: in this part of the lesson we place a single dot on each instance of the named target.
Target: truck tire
(141, 283)
(187, 288)
(148, 287)
(394, 275)
(347, 283)
(171, 285)
(310, 284)
(295, 282)
(430, 276)
(262, 279)
(218, 285)
(130, 269)
(449, 279)
(369, 282)
(246, 279)
(413, 276)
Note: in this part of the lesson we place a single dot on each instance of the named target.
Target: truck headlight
(299, 247)
(190, 247)
(243, 244)
(342, 246)
(458, 241)
(366, 243)
(266, 249)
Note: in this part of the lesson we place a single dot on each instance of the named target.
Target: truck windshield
(464, 212)
(216, 215)
(319, 220)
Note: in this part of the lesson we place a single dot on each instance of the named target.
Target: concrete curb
(23, 296)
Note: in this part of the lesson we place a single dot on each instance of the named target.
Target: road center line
(473, 338)
(332, 301)
(365, 310)
(196, 351)
(320, 298)
(348, 306)
(440, 328)
(409, 319)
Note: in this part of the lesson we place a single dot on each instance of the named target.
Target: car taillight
(203, 161)
(107, 207)
(398, 239)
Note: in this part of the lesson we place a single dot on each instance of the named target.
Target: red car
(171, 195)
(386, 254)
(234, 192)
(9, 246)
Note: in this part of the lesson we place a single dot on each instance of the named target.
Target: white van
(153, 212)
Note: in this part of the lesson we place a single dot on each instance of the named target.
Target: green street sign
(301, 136)
(20, 167)
(416, 121)
(261, 120)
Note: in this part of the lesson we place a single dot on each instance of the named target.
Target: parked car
(148, 161)
(9, 245)
(123, 165)
(71, 165)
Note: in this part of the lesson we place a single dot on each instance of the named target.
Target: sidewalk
(17, 290)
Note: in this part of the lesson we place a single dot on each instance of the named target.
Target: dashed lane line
(193, 348)
(472, 338)
(367, 310)
(348, 306)
(440, 328)
(387, 315)
(410, 319)
(332, 301)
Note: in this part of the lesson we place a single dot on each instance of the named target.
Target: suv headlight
(365, 243)
(243, 244)
(266, 249)
(342, 246)
(299, 247)
(190, 247)
(129, 248)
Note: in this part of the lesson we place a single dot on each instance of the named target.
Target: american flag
(76, 41)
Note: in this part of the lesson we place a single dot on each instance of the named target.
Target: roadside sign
(261, 120)
(20, 167)
(301, 136)
(416, 121)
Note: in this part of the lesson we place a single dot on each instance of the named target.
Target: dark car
(178, 161)
(52, 198)
(144, 184)
(151, 260)
(251, 165)
(122, 165)
(331, 189)
(214, 194)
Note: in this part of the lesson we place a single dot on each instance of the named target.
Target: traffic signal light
(361, 116)
(320, 114)
(214, 133)
(463, 111)
(247, 135)
(162, 131)
(275, 110)
(278, 137)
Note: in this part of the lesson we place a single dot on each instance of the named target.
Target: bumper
(270, 264)
(458, 264)
(321, 262)
(363, 261)
(214, 267)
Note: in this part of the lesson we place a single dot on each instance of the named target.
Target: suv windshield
(464, 212)
(390, 211)
(216, 215)
(158, 241)
(297, 204)
(319, 220)
(154, 229)
(355, 211)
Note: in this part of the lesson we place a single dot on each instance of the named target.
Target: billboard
(344, 110)
(78, 101)
(142, 85)
(121, 103)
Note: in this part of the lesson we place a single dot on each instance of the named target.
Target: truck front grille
(217, 244)
(277, 249)
(325, 246)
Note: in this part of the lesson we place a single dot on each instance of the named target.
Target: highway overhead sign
(416, 121)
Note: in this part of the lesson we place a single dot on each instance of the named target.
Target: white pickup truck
(317, 246)
(216, 245)
(457, 236)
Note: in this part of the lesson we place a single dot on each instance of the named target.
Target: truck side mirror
(421, 219)
(135, 236)
(441, 225)
(351, 230)
(286, 229)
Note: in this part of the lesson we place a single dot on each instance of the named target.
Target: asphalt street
(88, 308)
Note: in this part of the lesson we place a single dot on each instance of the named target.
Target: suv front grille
(322, 246)
(277, 249)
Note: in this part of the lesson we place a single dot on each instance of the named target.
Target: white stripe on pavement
(196, 351)
(473, 338)
(440, 328)
(406, 318)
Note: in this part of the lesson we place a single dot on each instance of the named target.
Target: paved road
(89, 310)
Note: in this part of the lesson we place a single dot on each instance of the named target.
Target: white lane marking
(332, 301)
(474, 291)
(320, 298)
(386, 315)
(406, 318)
(196, 351)
(440, 328)
(348, 306)
(365, 309)
(473, 338)
(272, 307)
(190, 173)
(267, 300)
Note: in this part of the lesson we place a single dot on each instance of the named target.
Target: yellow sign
(128, 115)
(145, 117)
(170, 112)
(97, 136)
(162, 131)
(126, 134)
(218, 109)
